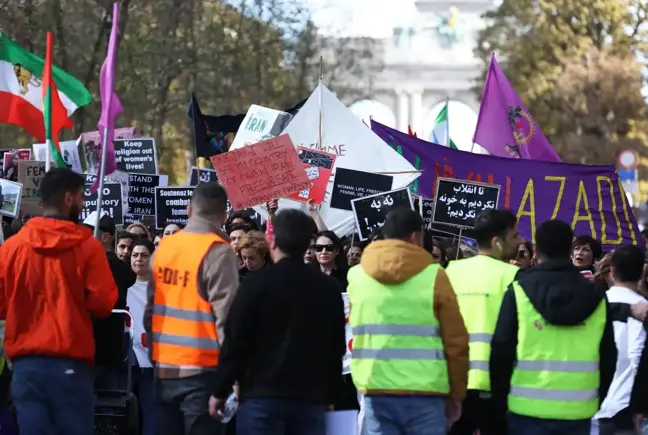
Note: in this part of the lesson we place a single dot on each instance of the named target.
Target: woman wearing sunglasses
(524, 255)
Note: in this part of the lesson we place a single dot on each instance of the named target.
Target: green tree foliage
(574, 64)
(232, 53)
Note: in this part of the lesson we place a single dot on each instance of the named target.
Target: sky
(374, 18)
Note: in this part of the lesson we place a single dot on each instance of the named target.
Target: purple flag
(505, 128)
(110, 105)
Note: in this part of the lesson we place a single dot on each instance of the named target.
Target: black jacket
(639, 397)
(284, 335)
(563, 297)
(109, 332)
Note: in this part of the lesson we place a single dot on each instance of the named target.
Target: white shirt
(629, 338)
(136, 302)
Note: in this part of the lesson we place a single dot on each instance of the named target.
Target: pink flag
(505, 128)
(110, 105)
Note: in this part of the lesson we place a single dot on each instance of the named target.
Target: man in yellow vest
(479, 283)
(194, 278)
(553, 351)
(410, 346)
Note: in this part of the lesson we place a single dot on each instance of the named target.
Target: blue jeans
(405, 415)
(53, 396)
(519, 424)
(143, 380)
(279, 417)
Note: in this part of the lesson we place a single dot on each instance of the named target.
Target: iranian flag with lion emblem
(21, 92)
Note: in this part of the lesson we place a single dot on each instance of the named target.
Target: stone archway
(366, 109)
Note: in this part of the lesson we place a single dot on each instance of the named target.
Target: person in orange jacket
(53, 277)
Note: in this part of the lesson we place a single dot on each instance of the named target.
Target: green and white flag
(441, 130)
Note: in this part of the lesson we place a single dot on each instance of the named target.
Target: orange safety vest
(184, 325)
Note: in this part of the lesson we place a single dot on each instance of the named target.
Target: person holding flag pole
(110, 108)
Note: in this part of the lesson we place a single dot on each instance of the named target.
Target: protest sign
(91, 145)
(10, 162)
(370, 212)
(349, 185)
(319, 167)
(590, 198)
(111, 202)
(30, 174)
(256, 174)
(250, 212)
(260, 123)
(426, 211)
(116, 177)
(10, 197)
(458, 202)
(206, 176)
(136, 156)
(69, 150)
(171, 205)
(141, 194)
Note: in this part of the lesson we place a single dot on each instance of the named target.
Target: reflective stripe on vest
(184, 326)
(557, 374)
(480, 283)
(396, 338)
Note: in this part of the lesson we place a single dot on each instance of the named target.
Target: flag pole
(448, 121)
(195, 136)
(321, 74)
(102, 170)
(48, 155)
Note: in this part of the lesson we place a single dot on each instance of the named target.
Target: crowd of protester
(281, 323)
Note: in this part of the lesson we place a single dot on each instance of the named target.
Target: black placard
(252, 213)
(171, 205)
(350, 184)
(426, 211)
(370, 211)
(206, 176)
(111, 202)
(458, 202)
(136, 156)
(141, 194)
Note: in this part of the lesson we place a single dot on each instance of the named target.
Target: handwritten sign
(171, 205)
(319, 167)
(255, 174)
(30, 174)
(370, 212)
(459, 202)
(350, 184)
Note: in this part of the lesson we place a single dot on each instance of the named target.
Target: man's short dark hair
(628, 262)
(56, 183)
(209, 199)
(144, 242)
(292, 232)
(587, 240)
(554, 239)
(126, 235)
(492, 223)
(242, 214)
(401, 223)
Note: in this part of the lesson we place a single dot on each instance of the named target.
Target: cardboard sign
(370, 212)
(350, 184)
(10, 198)
(30, 174)
(111, 202)
(206, 176)
(10, 162)
(171, 206)
(459, 201)
(319, 167)
(257, 173)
